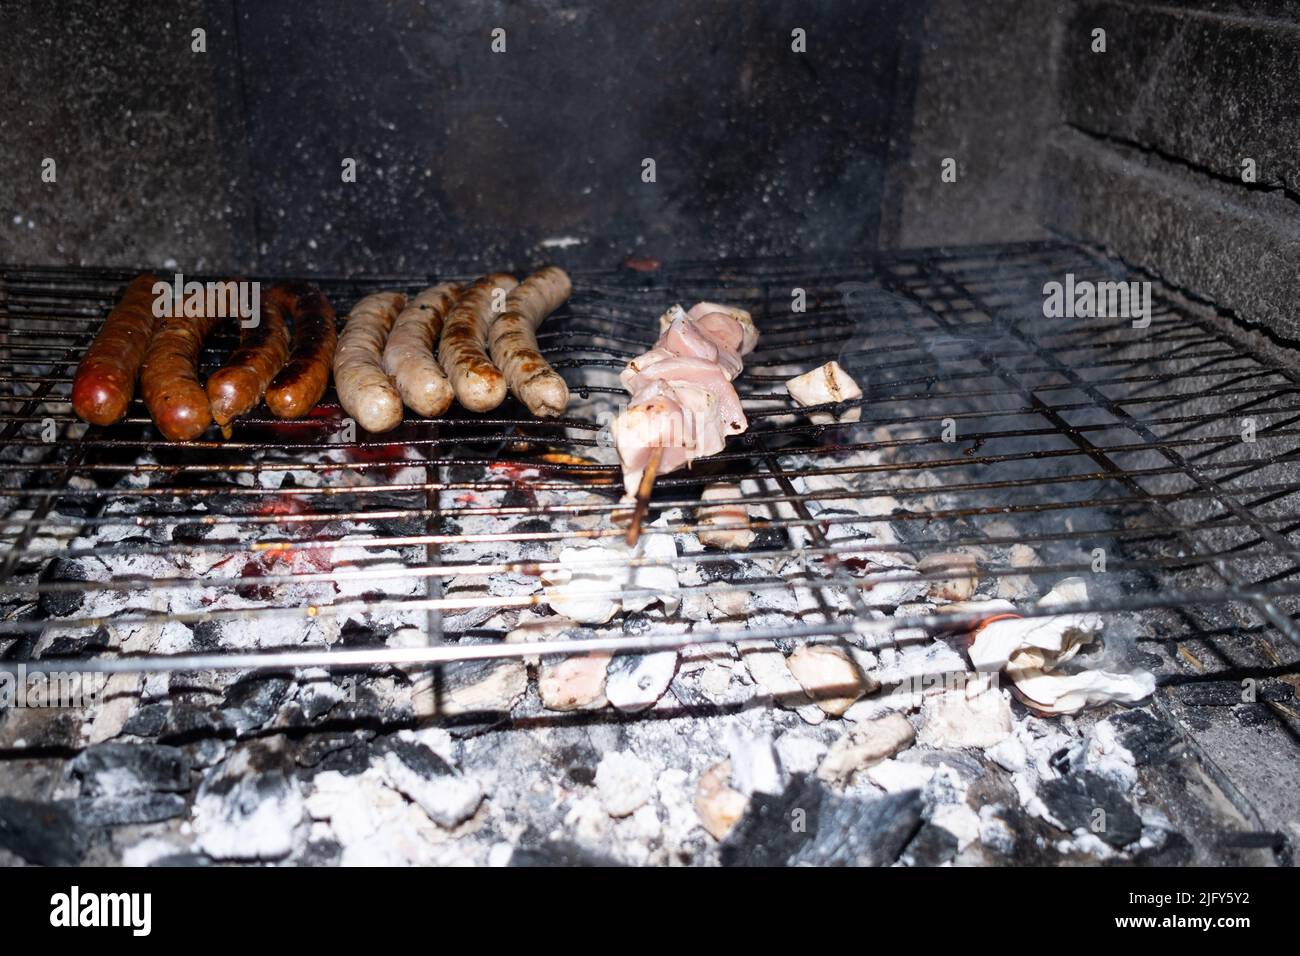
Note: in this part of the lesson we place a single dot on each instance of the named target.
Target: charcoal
(806, 824)
(148, 720)
(117, 769)
(637, 623)
(136, 808)
(190, 533)
(316, 748)
(62, 603)
(46, 833)
(207, 752)
(251, 703)
(1212, 694)
(320, 853)
(932, 846)
(422, 776)
(1074, 800)
(354, 633)
(517, 497)
(194, 714)
(416, 756)
(77, 646)
(558, 853)
(317, 698)
(183, 859)
(1252, 715)
(207, 636)
(1151, 739)
(247, 807)
(488, 686)
(400, 527)
(726, 571)
(578, 761)
(532, 526)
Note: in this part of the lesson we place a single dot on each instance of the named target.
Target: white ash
(754, 766)
(975, 714)
(374, 824)
(449, 799)
(896, 775)
(624, 783)
(242, 812)
(994, 832)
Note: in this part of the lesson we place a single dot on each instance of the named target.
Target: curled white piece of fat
(1029, 650)
(1060, 634)
(587, 588)
(1070, 693)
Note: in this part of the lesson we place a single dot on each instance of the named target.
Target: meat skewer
(365, 390)
(169, 378)
(683, 401)
(298, 386)
(479, 384)
(513, 342)
(105, 380)
(408, 355)
(239, 385)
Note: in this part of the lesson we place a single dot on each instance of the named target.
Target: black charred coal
(149, 720)
(416, 756)
(933, 845)
(125, 783)
(77, 646)
(808, 825)
(137, 808)
(46, 833)
(1151, 739)
(558, 853)
(254, 701)
(345, 751)
(1076, 799)
(114, 769)
(62, 603)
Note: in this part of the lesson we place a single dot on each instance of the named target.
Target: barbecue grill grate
(983, 425)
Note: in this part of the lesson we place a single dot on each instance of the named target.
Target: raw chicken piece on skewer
(683, 404)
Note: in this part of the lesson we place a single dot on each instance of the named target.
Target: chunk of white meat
(822, 386)
(724, 526)
(591, 584)
(749, 334)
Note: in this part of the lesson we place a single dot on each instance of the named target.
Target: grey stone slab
(1235, 247)
(1196, 85)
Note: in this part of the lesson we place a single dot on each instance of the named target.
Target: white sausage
(364, 389)
(462, 352)
(408, 355)
(513, 338)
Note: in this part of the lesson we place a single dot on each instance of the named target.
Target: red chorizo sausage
(169, 379)
(263, 350)
(104, 384)
(302, 382)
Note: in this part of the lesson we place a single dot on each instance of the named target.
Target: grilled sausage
(513, 338)
(365, 391)
(300, 384)
(408, 354)
(479, 384)
(105, 381)
(263, 349)
(169, 379)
